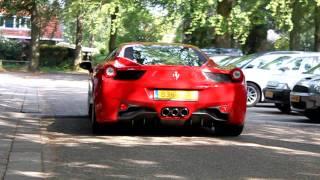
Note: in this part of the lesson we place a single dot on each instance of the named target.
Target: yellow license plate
(294, 98)
(176, 95)
(269, 94)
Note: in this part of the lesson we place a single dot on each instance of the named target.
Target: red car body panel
(110, 93)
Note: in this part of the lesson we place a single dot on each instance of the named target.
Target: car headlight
(316, 88)
(282, 86)
(272, 83)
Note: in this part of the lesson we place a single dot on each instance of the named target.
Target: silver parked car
(305, 97)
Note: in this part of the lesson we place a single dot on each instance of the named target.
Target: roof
(157, 43)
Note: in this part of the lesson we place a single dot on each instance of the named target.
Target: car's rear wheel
(253, 94)
(228, 130)
(284, 108)
(95, 126)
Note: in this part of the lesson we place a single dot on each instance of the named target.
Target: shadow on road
(80, 125)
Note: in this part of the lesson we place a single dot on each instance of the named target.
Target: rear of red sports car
(169, 83)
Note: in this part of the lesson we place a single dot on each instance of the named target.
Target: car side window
(297, 63)
(308, 63)
(112, 55)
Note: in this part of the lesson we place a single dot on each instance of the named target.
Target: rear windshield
(165, 55)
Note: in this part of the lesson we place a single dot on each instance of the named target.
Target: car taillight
(218, 77)
(129, 74)
(237, 75)
(111, 71)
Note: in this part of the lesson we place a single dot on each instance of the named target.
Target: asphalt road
(272, 146)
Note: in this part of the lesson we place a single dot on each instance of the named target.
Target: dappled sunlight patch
(35, 138)
(31, 174)
(288, 134)
(87, 165)
(141, 162)
(168, 176)
(7, 124)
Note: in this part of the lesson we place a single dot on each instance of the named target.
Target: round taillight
(111, 71)
(236, 75)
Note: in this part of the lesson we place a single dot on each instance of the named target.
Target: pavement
(24, 99)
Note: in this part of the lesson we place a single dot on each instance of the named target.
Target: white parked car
(279, 86)
(257, 69)
(260, 59)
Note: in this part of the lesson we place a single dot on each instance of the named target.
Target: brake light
(237, 75)
(111, 71)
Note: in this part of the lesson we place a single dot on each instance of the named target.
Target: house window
(9, 21)
(1, 21)
(23, 22)
(15, 22)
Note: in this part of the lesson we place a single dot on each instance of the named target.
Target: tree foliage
(222, 23)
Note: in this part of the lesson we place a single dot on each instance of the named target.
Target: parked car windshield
(245, 59)
(228, 60)
(275, 63)
(165, 55)
(314, 70)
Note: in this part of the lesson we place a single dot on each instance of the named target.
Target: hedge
(51, 55)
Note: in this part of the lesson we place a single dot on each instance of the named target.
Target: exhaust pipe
(175, 112)
(165, 112)
(184, 112)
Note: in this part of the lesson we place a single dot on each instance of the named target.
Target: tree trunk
(317, 28)
(257, 39)
(224, 9)
(35, 38)
(113, 31)
(78, 50)
(295, 41)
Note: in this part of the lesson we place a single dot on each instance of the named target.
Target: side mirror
(283, 69)
(250, 66)
(87, 65)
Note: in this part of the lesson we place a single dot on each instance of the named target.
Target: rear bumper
(203, 117)
(228, 98)
(305, 102)
(279, 96)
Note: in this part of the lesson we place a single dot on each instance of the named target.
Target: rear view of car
(168, 83)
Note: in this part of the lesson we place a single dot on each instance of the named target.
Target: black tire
(228, 130)
(90, 110)
(312, 115)
(253, 94)
(284, 108)
(95, 126)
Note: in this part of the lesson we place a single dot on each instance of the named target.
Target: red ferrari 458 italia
(167, 83)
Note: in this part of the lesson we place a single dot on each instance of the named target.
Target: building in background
(18, 27)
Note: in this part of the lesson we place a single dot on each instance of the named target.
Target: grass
(14, 67)
(24, 68)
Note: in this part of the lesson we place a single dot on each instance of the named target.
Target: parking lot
(45, 133)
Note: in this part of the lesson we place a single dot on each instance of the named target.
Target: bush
(13, 50)
(51, 55)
